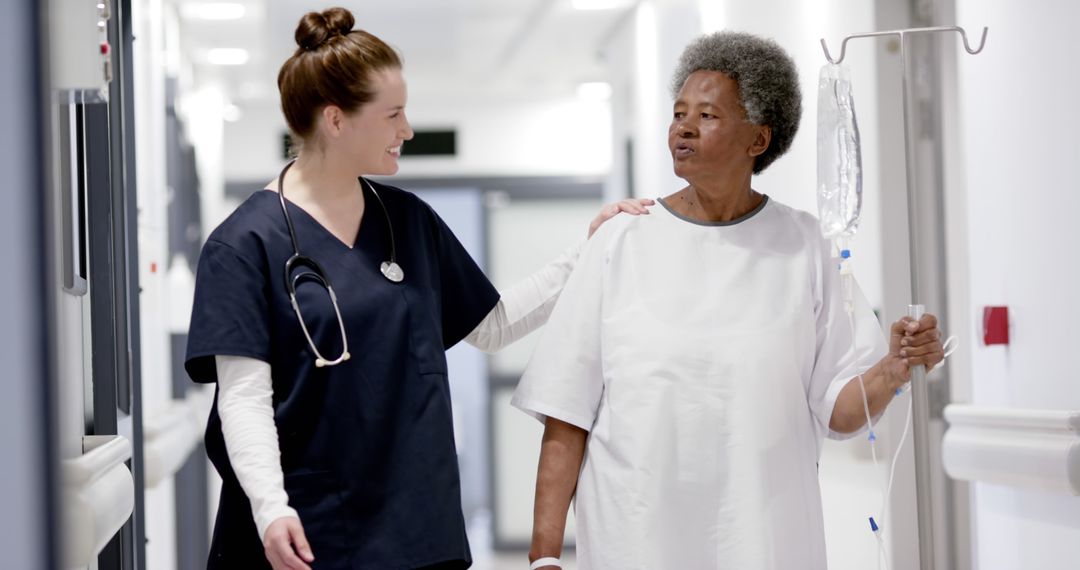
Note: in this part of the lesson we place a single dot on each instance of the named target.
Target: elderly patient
(698, 356)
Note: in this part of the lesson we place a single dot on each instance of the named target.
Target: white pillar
(642, 57)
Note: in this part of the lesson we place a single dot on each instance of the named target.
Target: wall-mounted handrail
(1032, 449)
(1013, 419)
(98, 497)
(169, 436)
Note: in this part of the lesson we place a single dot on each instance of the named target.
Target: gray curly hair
(768, 82)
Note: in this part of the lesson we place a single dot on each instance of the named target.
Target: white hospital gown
(704, 360)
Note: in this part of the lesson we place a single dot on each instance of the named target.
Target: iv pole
(920, 402)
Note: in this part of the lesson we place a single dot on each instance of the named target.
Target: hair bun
(317, 28)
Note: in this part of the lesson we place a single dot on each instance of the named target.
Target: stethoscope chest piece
(392, 271)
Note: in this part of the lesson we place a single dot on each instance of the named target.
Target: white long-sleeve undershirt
(245, 406)
(525, 306)
(245, 388)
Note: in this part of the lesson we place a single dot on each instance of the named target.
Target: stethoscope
(390, 269)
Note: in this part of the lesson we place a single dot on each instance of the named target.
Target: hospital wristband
(545, 562)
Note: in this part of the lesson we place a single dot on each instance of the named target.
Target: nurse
(698, 357)
(331, 426)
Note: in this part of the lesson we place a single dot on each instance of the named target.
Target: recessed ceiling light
(214, 11)
(598, 4)
(227, 56)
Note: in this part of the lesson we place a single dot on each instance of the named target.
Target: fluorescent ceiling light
(594, 91)
(214, 11)
(227, 56)
(598, 4)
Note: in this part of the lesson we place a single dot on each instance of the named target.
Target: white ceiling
(452, 48)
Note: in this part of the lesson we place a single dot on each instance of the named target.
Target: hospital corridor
(540, 284)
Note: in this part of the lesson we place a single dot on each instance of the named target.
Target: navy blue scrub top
(367, 446)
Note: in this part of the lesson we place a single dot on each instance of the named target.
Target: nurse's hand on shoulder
(912, 343)
(632, 206)
(286, 546)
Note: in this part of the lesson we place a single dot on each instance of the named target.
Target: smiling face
(709, 136)
(373, 134)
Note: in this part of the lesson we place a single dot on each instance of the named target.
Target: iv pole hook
(902, 33)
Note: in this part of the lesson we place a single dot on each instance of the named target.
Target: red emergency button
(995, 325)
(104, 48)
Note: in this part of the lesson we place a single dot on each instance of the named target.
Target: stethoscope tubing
(390, 269)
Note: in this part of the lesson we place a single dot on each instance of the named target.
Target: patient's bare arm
(561, 454)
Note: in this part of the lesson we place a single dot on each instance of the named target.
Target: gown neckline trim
(739, 220)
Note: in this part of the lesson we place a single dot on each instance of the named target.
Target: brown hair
(333, 65)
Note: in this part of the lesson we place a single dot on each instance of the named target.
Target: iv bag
(839, 152)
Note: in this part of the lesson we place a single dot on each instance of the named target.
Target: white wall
(558, 136)
(1019, 120)
(253, 143)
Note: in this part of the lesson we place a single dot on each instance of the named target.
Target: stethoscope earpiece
(321, 362)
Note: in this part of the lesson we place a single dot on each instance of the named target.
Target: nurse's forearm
(526, 306)
(561, 454)
(245, 407)
(848, 414)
